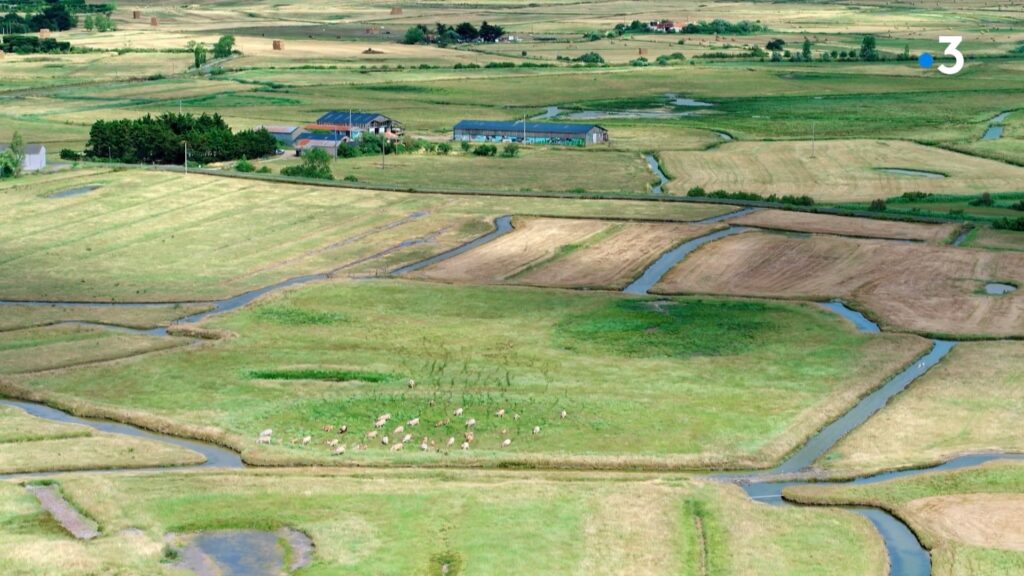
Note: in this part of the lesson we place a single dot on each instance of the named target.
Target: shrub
(244, 165)
(696, 192)
(984, 200)
(444, 148)
(315, 164)
(265, 170)
(351, 178)
(877, 205)
(68, 154)
(1015, 224)
(589, 58)
(485, 150)
(510, 150)
(465, 146)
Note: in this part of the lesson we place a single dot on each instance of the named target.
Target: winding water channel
(906, 555)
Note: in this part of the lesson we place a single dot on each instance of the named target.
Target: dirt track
(847, 226)
(916, 287)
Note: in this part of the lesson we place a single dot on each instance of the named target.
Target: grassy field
(969, 519)
(411, 522)
(63, 346)
(341, 353)
(17, 316)
(969, 403)
(537, 169)
(151, 236)
(31, 444)
(995, 239)
(915, 287)
(837, 171)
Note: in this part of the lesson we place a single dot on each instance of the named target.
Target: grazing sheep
(451, 442)
(371, 434)
(506, 443)
(267, 432)
(332, 443)
(536, 430)
(563, 414)
(465, 445)
(468, 436)
(471, 422)
(328, 428)
(458, 412)
(441, 423)
(306, 440)
(339, 450)
(263, 440)
(384, 440)
(424, 446)
(385, 417)
(379, 423)
(399, 430)
(412, 383)
(342, 429)
(500, 413)
(413, 422)
(406, 438)
(516, 416)
(397, 447)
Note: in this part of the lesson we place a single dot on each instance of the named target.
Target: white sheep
(399, 430)
(339, 450)
(516, 416)
(536, 430)
(412, 383)
(263, 440)
(506, 443)
(267, 432)
(332, 443)
(406, 438)
(451, 442)
(471, 422)
(458, 412)
(500, 413)
(424, 446)
(384, 440)
(465, 445)
(371, 434)
(563, 414)
(306, 440)
(413, 422)
(397, 447)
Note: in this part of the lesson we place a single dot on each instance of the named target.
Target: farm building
(283, 134)
(359, 122)
(530, 132)
(35, 157)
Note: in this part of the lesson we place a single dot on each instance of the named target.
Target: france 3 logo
(952, 43)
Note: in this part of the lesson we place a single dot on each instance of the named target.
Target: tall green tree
(806, 51)
(868, 49)
(224, 46)
(199, 55)
(18, 151)
(415, 35)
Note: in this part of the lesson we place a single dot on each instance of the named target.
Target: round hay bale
(395, 11)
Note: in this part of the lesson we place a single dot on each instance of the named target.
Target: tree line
(444, 35)
(161, 140)
(17, 44)
(54, 16)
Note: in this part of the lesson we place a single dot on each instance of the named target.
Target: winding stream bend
(655, 167)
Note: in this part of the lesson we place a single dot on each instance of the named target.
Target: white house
(35, 157)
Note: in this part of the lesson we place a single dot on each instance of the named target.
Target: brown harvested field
(838, 171)
(616, 260)
(985, 520)
(915, 287)
(970, 402)
(847, 226)
(534, 240)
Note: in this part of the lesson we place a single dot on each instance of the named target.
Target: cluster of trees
(315, 164)
(162, 140)
(16, 44)
(719, 26)
(634, 27)
(698, 192)
(868, 51)
(444, 35)
(1015, 224)
(99, 23)
(224, 47)
(12, 158)
(55, 15)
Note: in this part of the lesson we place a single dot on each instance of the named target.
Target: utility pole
(186, 157)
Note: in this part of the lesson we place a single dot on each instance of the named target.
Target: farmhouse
(35, 157)
(359, 122)
(530, 132)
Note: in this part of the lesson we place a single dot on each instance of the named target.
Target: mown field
(639, 385)
(412, 522)
(969, 519)
(151, 236)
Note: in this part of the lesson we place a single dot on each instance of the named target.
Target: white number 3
(951, 50)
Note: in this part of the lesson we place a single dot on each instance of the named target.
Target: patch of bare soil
(64, 513)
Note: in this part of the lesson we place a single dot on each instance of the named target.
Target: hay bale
(278, 45)
(642, 51)
(136, 14)
(44, 32)
(395, 11)
(152, 22)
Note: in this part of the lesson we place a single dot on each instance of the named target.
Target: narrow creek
(995, 127)
(655, 167)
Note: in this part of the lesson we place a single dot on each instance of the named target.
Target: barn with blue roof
(530, 132)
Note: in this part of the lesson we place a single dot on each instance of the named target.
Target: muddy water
(245, 552)
(502, 226)
(669, 259)
(911, 172)
(652, 163)
(216, 456)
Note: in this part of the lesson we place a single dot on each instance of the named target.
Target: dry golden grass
(915, 287)
(985, 520)
(23, 316)
(841, 171)
(17, 426)
(970, 402)
(996, 239)
(846, 226)
(615, 260)
(534, 240)
(50, 347)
